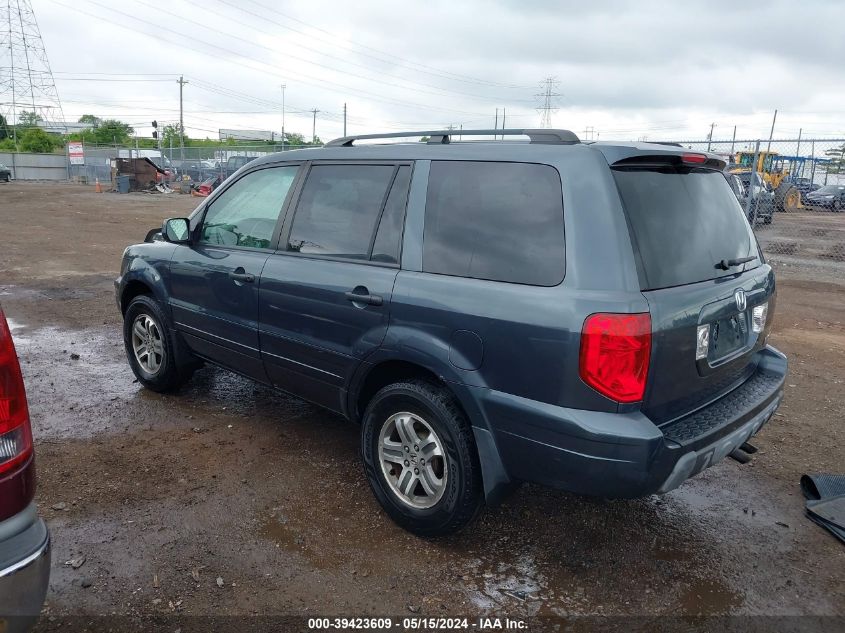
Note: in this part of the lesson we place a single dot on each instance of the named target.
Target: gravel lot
(168, 497)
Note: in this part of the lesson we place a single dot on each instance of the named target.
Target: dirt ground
(230, 498)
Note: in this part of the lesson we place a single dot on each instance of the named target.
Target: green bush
(37, 140)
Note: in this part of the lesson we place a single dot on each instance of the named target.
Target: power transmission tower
(26, 80)
(549, 95)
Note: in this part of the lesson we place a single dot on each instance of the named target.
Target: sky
(622, 70)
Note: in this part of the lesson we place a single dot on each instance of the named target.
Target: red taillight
(694, 158)
(615, 350)
(15, 432)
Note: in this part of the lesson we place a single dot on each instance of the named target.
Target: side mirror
(176, 230)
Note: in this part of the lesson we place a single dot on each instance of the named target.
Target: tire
(836, 207)
(786, 191)
(164, 371)
(426, 407)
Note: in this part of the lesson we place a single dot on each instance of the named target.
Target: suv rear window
(684, 221)
(498, 221)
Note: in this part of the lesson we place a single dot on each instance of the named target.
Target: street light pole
(283, 116)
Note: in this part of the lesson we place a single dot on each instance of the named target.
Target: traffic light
(155, 129)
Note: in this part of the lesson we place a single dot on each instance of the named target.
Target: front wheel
(151, 346)
(420, 458)
(837, 206)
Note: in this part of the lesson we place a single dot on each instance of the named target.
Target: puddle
(708, 597)
(492, 587)
(278, 530)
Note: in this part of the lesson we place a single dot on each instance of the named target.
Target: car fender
(431, 353)
(148, 264)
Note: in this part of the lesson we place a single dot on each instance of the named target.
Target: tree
(37, 140)
(91, 120)
(28, 119)
(111, 131)
(4, 128)
(837, 160)
(170, 136)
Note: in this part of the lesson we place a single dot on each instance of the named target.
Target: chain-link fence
(793, 192)
(185, 164)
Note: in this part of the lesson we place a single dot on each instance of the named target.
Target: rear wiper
(730, 263)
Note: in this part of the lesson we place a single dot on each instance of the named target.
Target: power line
(328, 85)
(368, 68)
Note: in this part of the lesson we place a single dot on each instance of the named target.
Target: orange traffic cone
(97, 187)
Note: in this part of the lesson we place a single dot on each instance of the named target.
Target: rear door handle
(373, 300)
(240, 275)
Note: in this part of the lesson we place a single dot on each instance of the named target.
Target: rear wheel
(151, 347)
(420, 458)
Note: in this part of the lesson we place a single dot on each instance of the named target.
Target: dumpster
(122, 183)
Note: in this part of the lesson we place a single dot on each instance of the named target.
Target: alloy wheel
(147, 343)
(412, 460)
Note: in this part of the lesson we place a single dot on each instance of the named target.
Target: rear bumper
(625, 454)
(24, 570)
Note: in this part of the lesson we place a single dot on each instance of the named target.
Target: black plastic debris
(825, 496)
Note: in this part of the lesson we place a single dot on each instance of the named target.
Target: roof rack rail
(442, 137)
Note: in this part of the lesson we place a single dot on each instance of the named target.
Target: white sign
(76, 153)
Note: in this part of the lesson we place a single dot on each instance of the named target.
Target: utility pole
(798, 149)
(710, 136)
(283, 115)
(771, 133)
(733, 141)
(503, 124)
(181, 81)
(496, 122)
(344, 119)
(314, 126)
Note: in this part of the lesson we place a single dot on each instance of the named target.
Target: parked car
(24, 539)
(5, 173)
(592, 317)
(198, 170)
(762, 207)
(805, 186)
(830, 197)
(234, 163)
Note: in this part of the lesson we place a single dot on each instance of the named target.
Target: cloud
(662, 69)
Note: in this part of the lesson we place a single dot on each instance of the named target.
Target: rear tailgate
(702, 274)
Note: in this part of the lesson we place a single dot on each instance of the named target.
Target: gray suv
(588, 316)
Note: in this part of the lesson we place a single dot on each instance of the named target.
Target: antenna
(26, 80)
(549, 95)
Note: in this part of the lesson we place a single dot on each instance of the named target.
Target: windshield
(684, 223)
(831, 189)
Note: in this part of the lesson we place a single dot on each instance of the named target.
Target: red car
(24, 539)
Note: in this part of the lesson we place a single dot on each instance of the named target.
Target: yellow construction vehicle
(775, 171)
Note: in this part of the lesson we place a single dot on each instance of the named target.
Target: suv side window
(389, 236)
(497, 221)
(246, 213)
(339, 210)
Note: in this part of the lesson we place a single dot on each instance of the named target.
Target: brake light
(15, 431)
(615, 352)
(694, 158)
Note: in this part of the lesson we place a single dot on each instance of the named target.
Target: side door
(215, 280)
(325, 295)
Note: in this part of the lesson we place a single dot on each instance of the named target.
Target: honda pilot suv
(588, 316)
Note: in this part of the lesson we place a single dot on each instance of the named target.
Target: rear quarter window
(495, 220)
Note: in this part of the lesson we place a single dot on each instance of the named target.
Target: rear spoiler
(689, 159)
